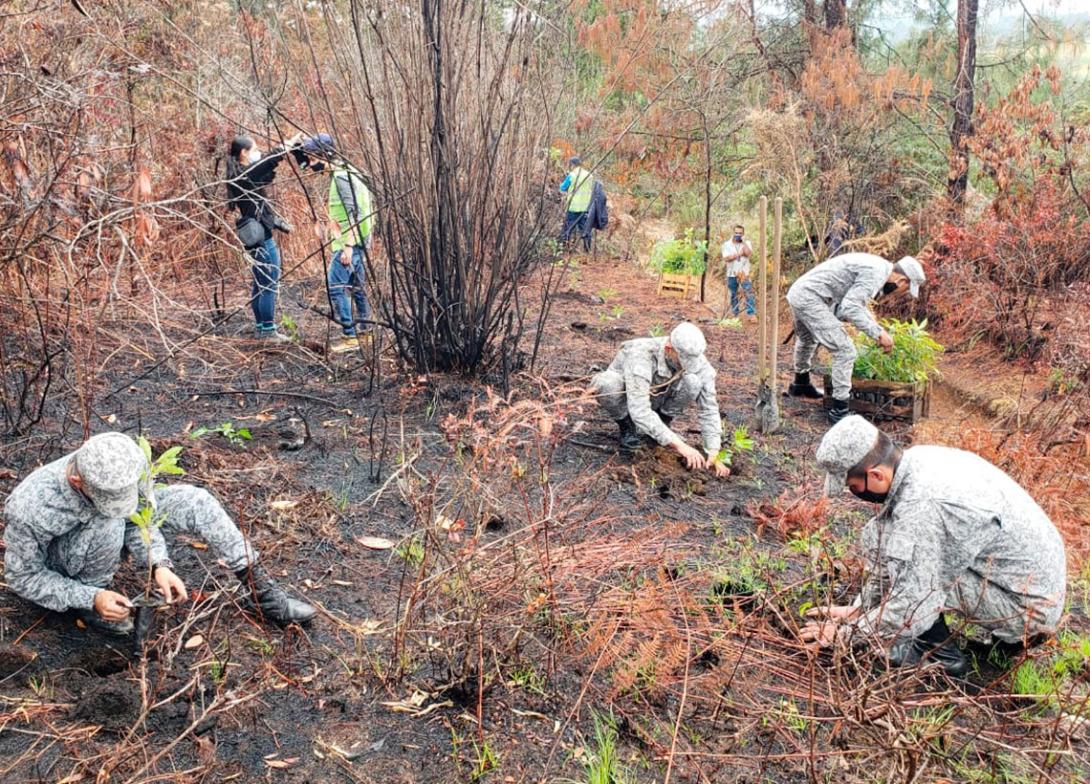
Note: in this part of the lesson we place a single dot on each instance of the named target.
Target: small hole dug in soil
(112, 705)
(102, 662)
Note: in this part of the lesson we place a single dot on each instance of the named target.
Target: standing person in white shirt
(736, 252)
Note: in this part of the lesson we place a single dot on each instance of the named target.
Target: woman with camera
(248, 173)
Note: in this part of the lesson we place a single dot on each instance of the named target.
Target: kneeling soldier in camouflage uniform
(651, 381)
(954, 532)
(838, 290)
(68, 521)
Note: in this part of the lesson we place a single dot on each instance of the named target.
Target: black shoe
(98, 623)
(838, 411)
(803, 388)
(268, 599)
(630, 439)
(916, 652)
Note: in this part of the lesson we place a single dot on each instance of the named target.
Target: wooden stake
(762, 289)
(774, 299)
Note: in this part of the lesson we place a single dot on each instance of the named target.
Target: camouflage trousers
(91, 555)
(816, 325)
(670, 400)
(1006, 616)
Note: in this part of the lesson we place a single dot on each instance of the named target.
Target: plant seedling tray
(904, 401)
(677, 285)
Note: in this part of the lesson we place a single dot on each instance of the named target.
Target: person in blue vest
(579, 187)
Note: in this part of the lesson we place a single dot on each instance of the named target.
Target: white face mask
(254, 155)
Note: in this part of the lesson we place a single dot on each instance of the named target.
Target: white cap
(842, 447)
(689, 343)
(913, 270)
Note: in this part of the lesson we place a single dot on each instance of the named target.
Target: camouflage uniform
(834, 291)
(60, 550)
(954, 532)
(639, 383)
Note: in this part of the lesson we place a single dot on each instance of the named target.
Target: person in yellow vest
(579, 187)
(350, 215)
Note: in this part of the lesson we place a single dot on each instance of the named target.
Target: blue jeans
(574, 221)
(341, 278)
(732, 284)
(266, 270)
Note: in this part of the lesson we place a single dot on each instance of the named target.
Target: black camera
(315, 152)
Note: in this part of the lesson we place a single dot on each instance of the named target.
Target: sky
(996, 16)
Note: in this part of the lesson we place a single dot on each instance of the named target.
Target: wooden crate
(672, 285)
(908, 402)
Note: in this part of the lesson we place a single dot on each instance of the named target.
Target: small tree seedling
(145, 518)
(914, 356)
(236, 436)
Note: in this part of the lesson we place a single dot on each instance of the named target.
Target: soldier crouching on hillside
(68, 521)
(953, 533)
(651, 381)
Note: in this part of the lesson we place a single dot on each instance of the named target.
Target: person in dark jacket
(597, 214)
(248, 174)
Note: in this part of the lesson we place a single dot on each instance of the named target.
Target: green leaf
(243, 432)
(145, 447)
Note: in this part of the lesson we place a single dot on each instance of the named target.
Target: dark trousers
(577, 222)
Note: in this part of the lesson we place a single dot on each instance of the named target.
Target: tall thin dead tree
(962, 126)
(460, 109)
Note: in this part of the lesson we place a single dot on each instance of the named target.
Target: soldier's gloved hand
(885, 341)
(170, 585)
(693, 459)
(112, 606)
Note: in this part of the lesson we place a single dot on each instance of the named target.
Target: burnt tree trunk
(962, 126)
(836, 14)
(707, 203)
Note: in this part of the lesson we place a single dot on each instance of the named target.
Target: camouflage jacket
(53, 536)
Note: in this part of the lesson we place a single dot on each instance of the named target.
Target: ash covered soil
(221, 697)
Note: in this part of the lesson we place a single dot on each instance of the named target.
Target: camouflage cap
(846, 443)
(110, 466)
(689, 343)
(913, 270)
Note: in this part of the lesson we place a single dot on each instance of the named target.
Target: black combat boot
(269, 600)
(838, 411)
(630, 439)
(98, 623)
(803, 388)
(932, 647)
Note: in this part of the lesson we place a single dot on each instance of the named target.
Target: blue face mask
(737, 237)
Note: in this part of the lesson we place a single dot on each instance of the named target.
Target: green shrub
(914, 356)
(682, 256)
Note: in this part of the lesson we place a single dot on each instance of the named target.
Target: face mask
(737, 237)
(888, 288)
(866, 495)
(254, 155)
